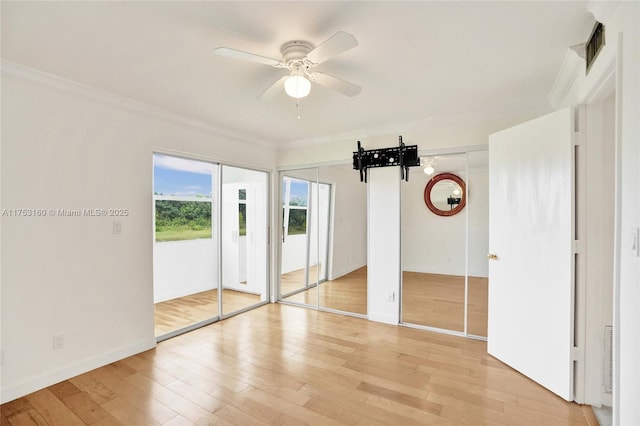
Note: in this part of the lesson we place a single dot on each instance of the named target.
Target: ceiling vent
(594, 44)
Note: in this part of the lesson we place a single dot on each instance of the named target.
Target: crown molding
(602, 10)
(129, 104)
(569, 71)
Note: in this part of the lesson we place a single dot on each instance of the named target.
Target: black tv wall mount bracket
(401, 155)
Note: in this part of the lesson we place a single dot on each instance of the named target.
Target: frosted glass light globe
(297, 86)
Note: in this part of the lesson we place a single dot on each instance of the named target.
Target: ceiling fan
(299, 57)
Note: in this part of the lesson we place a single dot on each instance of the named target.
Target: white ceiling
(415, 60)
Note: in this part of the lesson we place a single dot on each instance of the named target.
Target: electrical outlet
(58, 342)
(117, 227)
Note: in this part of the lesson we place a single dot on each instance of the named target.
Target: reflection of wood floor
(347, 293)
(428, 299)
(294, 280)
(175, 314)
(283, 365)
(438, 301)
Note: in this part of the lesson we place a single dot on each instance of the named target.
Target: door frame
(590, 353)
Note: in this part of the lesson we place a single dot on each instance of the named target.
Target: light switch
(635, 241)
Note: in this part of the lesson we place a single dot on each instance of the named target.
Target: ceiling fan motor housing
(294, 52)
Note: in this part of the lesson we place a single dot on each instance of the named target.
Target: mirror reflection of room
(346, 287)
(444, 278)
(185, 264)
(187, 261)
(299, 256)
(243, 238)
(324, 239)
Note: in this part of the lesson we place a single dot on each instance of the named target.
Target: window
(183, 198)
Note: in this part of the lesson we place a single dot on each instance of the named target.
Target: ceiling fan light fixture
(297, 86)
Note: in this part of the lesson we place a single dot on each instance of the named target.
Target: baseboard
(46, 379)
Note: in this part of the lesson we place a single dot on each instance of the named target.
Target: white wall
(620, 56)
(65, 146)
(383, 263)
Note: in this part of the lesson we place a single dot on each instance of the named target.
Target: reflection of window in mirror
(242, 211)
(295, 201)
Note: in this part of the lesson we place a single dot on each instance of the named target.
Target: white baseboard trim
(49, 378)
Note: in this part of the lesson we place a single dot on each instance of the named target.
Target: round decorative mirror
(445, 194)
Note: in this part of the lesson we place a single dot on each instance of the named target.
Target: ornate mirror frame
(437, 178)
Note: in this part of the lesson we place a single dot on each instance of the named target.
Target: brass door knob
(492, 256)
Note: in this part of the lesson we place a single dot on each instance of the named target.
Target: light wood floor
(428, 299)
(175, 314)
(284, 365)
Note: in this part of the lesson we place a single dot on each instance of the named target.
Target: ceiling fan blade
(336, 84)
(245, 56)
(271, 92)
(333, 46)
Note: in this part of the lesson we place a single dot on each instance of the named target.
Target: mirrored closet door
(244, 208)
(345, 288)
(444, 244)
(299, 237)
(210, 251)
(323, 239)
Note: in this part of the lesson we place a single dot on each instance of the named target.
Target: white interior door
(531, 297)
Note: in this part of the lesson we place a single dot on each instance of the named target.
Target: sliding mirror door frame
(298, 193)
(321, 230)
(242, 186)
(470, 211)
(216, 231)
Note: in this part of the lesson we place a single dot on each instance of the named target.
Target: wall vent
(594, 44)
(607, 370)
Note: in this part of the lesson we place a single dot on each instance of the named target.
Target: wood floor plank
(286, 365)
(52, 409)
